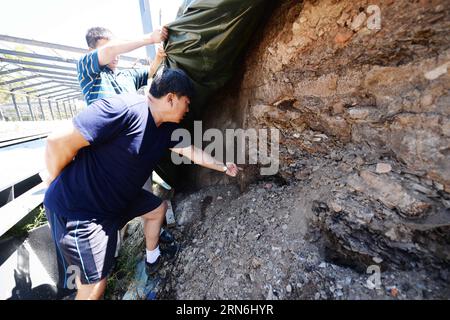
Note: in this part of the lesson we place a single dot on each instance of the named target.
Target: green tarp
(207, 40)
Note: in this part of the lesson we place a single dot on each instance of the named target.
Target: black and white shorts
(87, 248)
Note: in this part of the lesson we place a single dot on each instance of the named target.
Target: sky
(66, 21)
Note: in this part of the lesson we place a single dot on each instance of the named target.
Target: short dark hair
(95, 34)
(169, 80)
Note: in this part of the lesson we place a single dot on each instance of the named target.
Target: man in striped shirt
(97, 72)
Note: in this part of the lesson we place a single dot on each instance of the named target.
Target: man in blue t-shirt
(97, 168)
(97, 72)
(98, 75)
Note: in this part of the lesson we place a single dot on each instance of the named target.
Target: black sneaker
(166, 237)
(168, 254)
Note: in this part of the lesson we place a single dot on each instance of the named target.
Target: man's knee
(161, 210)
(91, 291)
(157, 213)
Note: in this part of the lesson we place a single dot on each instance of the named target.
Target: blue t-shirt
(99, 82)
(106, 177)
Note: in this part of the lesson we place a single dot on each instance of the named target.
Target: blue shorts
(87, 247)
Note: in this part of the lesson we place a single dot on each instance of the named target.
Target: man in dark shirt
(97, 169)
(97, 70)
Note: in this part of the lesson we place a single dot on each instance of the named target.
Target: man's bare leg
(153, 221)
(93, 291)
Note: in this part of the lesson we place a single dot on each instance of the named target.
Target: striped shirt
(98, 82)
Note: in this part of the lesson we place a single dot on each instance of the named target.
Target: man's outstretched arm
(62, 146)
(203, 159)
(113, 48)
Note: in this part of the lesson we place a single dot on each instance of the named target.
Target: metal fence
(38, 80)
